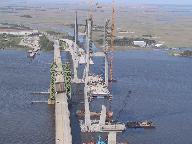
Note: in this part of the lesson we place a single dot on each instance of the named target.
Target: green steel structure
(67, 77)
(63, 45)
(52, 82)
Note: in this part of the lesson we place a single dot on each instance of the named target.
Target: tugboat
(140, 124)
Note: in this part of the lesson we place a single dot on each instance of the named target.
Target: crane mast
(109, 50)
(112, 43)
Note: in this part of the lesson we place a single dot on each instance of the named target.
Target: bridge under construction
(63, 75)
(77, 71)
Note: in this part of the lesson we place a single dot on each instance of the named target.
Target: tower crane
(112, 37)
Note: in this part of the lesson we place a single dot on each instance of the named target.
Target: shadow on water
(77, 95)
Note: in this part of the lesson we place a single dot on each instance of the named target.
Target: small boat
(140, 124)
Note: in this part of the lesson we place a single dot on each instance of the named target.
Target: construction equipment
(67, 77)
(110, 49)
(112, 43)
(107, 36)
(52, 82)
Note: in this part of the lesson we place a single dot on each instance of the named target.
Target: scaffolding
(67, 78)
(52, 82)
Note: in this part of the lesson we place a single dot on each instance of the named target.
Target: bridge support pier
(112, 137)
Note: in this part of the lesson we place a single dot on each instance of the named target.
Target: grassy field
(168, 25)
(9, 41)
(46, 44)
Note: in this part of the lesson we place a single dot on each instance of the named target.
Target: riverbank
(26, 39)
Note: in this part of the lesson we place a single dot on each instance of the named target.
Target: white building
(18, 32)
(159, 45)
(139, 43)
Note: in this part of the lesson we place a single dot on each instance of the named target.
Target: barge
(140, 124)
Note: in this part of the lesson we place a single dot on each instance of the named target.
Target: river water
(20, 121)
(160, 89)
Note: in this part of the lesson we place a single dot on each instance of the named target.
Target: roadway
(62, 114)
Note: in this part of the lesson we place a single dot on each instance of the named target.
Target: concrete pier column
(76, 33)
(103, 116)
(76, 50)
(112, 138)
(75, 70)
(87, 111)
(86, 97)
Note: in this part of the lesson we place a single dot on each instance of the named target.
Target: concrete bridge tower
(86, 97)
(76, 35)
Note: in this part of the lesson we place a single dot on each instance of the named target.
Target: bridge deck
(62, 121)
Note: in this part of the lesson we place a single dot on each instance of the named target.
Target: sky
(175, 2)
(180, 2)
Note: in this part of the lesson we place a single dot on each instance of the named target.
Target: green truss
(67, 77)
(52, 82)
